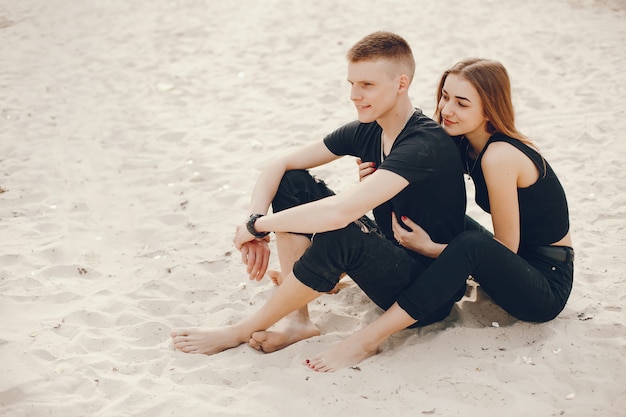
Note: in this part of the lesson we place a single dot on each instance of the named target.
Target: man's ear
(404, 83)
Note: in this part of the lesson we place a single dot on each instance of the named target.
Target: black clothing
(366, 250)
(426, 157)
(544, 217)
(380, 267)
(533, 288)
(533, 284)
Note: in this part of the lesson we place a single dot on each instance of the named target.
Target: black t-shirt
(424, 155)
(544, 216)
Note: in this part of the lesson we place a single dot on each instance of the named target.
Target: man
(320, 235)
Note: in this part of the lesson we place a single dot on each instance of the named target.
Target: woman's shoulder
(507, 153)
(503, 150)
(500, 153)
(524, 145)
(500, 144)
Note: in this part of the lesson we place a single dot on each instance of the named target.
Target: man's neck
(395, 120)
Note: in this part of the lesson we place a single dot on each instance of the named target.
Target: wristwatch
(250, 226)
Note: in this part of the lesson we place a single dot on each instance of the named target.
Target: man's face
(374, 88)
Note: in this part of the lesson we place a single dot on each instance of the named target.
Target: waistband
(556, 253)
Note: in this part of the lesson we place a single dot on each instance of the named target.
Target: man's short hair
(384, 45)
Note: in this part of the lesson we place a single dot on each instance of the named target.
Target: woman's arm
(365, 168)
(503, 166)
(417, 239)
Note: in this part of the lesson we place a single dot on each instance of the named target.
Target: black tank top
(544, 217)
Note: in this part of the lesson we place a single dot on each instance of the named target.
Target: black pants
(533, 285)
(381, 268)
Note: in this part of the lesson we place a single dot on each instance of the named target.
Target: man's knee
(316, 277)
(298, 187)
(295, 178)
(326, 260)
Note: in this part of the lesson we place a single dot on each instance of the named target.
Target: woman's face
(462, 110)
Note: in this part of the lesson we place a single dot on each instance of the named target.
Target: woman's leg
(362, 344)
(520, 288)
(471, 224)
(379, 267)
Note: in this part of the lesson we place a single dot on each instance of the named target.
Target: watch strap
(250, 226)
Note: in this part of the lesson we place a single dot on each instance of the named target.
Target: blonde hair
(384, 45)
(491, 81)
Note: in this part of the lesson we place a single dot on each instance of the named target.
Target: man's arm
(332, 212)
(307, 157)
(255, 253)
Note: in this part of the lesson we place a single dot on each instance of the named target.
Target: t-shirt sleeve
(457, 140)
(345, 140)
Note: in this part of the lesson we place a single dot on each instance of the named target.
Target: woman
(526, 266)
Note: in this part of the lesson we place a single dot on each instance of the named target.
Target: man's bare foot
(287, 332)
(351, 351)
(207, 341)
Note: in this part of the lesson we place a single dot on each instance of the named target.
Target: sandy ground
(131, 133)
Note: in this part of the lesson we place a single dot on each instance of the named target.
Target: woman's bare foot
(362, 344)
(207, 341)
(275, 276)
(351, 351)
(290, 330)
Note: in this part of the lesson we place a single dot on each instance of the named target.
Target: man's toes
(254, 344)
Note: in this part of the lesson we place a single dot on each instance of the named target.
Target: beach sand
(131, 134)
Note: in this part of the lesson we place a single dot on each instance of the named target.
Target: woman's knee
(469, 241)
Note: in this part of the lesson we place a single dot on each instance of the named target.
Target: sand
(131, 134)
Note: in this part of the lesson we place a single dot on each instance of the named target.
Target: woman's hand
(417, 239)
(365, 168)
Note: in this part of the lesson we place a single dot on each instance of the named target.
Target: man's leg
(288, 297)
(297, 325)
(296, 187)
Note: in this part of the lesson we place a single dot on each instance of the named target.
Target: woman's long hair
(492, 82)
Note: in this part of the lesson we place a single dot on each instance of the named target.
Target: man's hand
(242, 236)
(255, 253)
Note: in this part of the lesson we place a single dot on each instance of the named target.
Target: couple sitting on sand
(414, 260)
